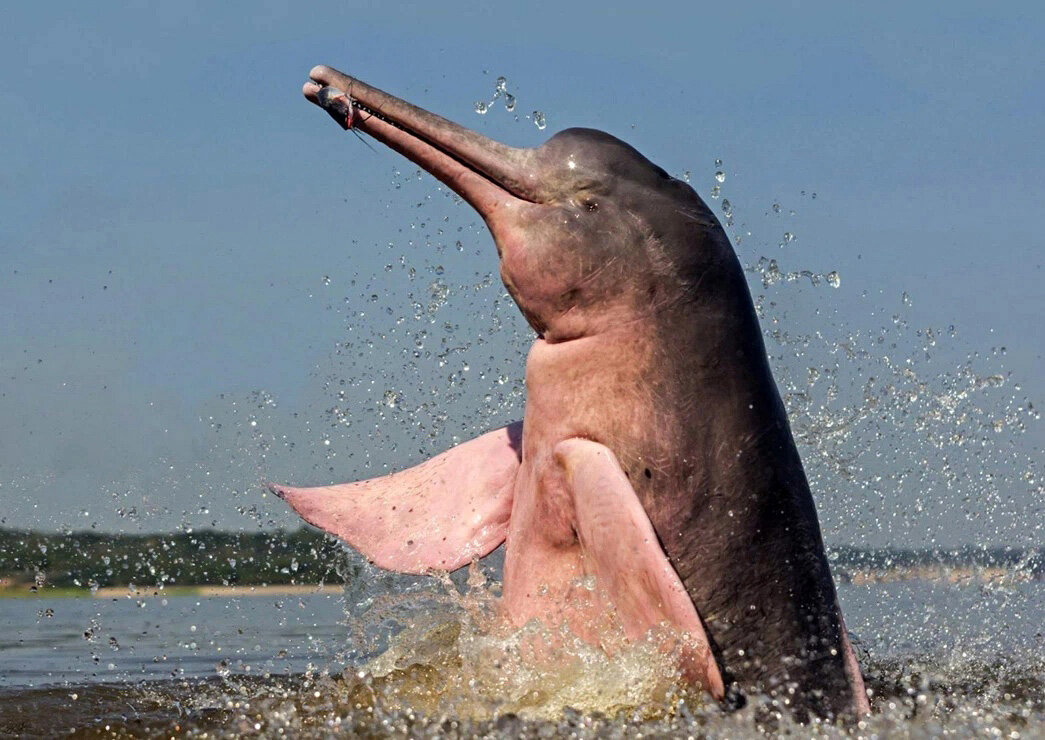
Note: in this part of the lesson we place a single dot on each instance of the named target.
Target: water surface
(940, 659)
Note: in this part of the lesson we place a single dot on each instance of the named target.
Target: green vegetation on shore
(93, 560)
(82, 560)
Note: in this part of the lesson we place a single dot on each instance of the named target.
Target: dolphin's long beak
(487, 174)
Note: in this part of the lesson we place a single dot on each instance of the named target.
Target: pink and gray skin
(654, 454)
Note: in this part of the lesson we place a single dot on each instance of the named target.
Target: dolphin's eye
(586, 202)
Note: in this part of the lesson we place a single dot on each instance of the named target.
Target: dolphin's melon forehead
(591, 153)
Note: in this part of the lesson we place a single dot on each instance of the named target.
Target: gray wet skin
(648, 343)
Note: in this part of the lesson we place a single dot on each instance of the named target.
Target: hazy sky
(195, 263)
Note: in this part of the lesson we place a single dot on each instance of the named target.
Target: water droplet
(538, 120)
(727, 207)
(788, 237)
(481, 108)
(833, 279)
(720, 176)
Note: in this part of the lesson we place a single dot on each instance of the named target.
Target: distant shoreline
(25, 591)
(953, 576)
(214, 563)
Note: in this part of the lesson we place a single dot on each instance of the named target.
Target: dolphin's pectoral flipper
(852, 670)
(620, 548)
(440, 514)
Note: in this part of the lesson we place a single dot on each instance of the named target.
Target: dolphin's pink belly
(589, 388)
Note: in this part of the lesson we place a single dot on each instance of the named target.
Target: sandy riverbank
(124, 592)
(115, 592)
(935, 574)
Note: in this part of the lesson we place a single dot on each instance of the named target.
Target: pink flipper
(439, 515)
(620, 548)
(852, 670)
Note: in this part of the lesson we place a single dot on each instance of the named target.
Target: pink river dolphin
(654, 458)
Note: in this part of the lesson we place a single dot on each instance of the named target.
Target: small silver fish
(338, 105)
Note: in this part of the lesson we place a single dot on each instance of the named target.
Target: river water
(940, 659)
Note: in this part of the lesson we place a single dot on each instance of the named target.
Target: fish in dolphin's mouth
(339, 106)
(454, 154)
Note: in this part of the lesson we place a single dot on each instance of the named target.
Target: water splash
(455, 658)
(500, 92)
(482, 107)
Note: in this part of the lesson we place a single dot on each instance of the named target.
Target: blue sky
(186, 246)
